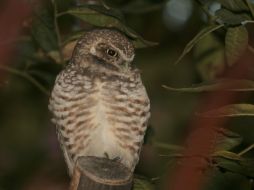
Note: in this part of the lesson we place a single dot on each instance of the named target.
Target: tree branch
(93, 173)
(26, 76)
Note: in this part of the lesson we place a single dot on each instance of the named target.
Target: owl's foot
(106, 155)
(116, 159)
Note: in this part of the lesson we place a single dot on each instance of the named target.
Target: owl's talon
(106, 155)
(116, 159)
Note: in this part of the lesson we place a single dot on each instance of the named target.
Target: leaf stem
(57, 30)
(104, 4)
(61, 14)
(247, 22)
(26, 76)
(249, 148)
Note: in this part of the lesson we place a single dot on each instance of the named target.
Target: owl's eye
(111, 52)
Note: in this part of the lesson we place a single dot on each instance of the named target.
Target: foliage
(141, 183)
(108, 17)
(233, 17)
(219, 46)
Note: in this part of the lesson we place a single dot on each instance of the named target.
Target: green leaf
(69, 44)
(226, 17)
(73, 37)
(222, 84)
(226, 139)
(99, 16)
(227, 155)
(236, 43)
(169, 147)
(142, 43)
(209, 57)
(142, 7)
(204, 32)
(212, 65)
(232, 110)
(141, 183)
(43, 30)
(232, 162)
(234, 5)
(44, 33)
(108, 17)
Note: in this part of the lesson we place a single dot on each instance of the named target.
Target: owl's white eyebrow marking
(129, 59)
(93, 50)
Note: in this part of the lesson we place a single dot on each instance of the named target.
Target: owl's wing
(140, 103)
(68, 103)
(67, 157)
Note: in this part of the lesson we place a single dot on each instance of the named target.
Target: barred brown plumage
(99, 103)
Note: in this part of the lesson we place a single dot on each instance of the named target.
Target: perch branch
(93, 173)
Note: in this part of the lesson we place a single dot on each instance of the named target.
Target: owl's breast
(104, 139)
(125, 108)
(101, 116)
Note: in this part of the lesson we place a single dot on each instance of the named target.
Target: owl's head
(107, 47)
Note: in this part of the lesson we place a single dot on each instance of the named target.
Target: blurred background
(30, 156)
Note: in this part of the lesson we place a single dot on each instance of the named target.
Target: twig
(75, 179)
(249, 148)
(57, 30)
(62, 14)
(156, 178)
(104, 4)
(252, 184)
(26, 76)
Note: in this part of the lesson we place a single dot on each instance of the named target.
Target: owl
(100, 106)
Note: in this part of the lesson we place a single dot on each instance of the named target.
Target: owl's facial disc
(111, 55)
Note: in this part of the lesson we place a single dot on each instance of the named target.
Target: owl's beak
(126, 65)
